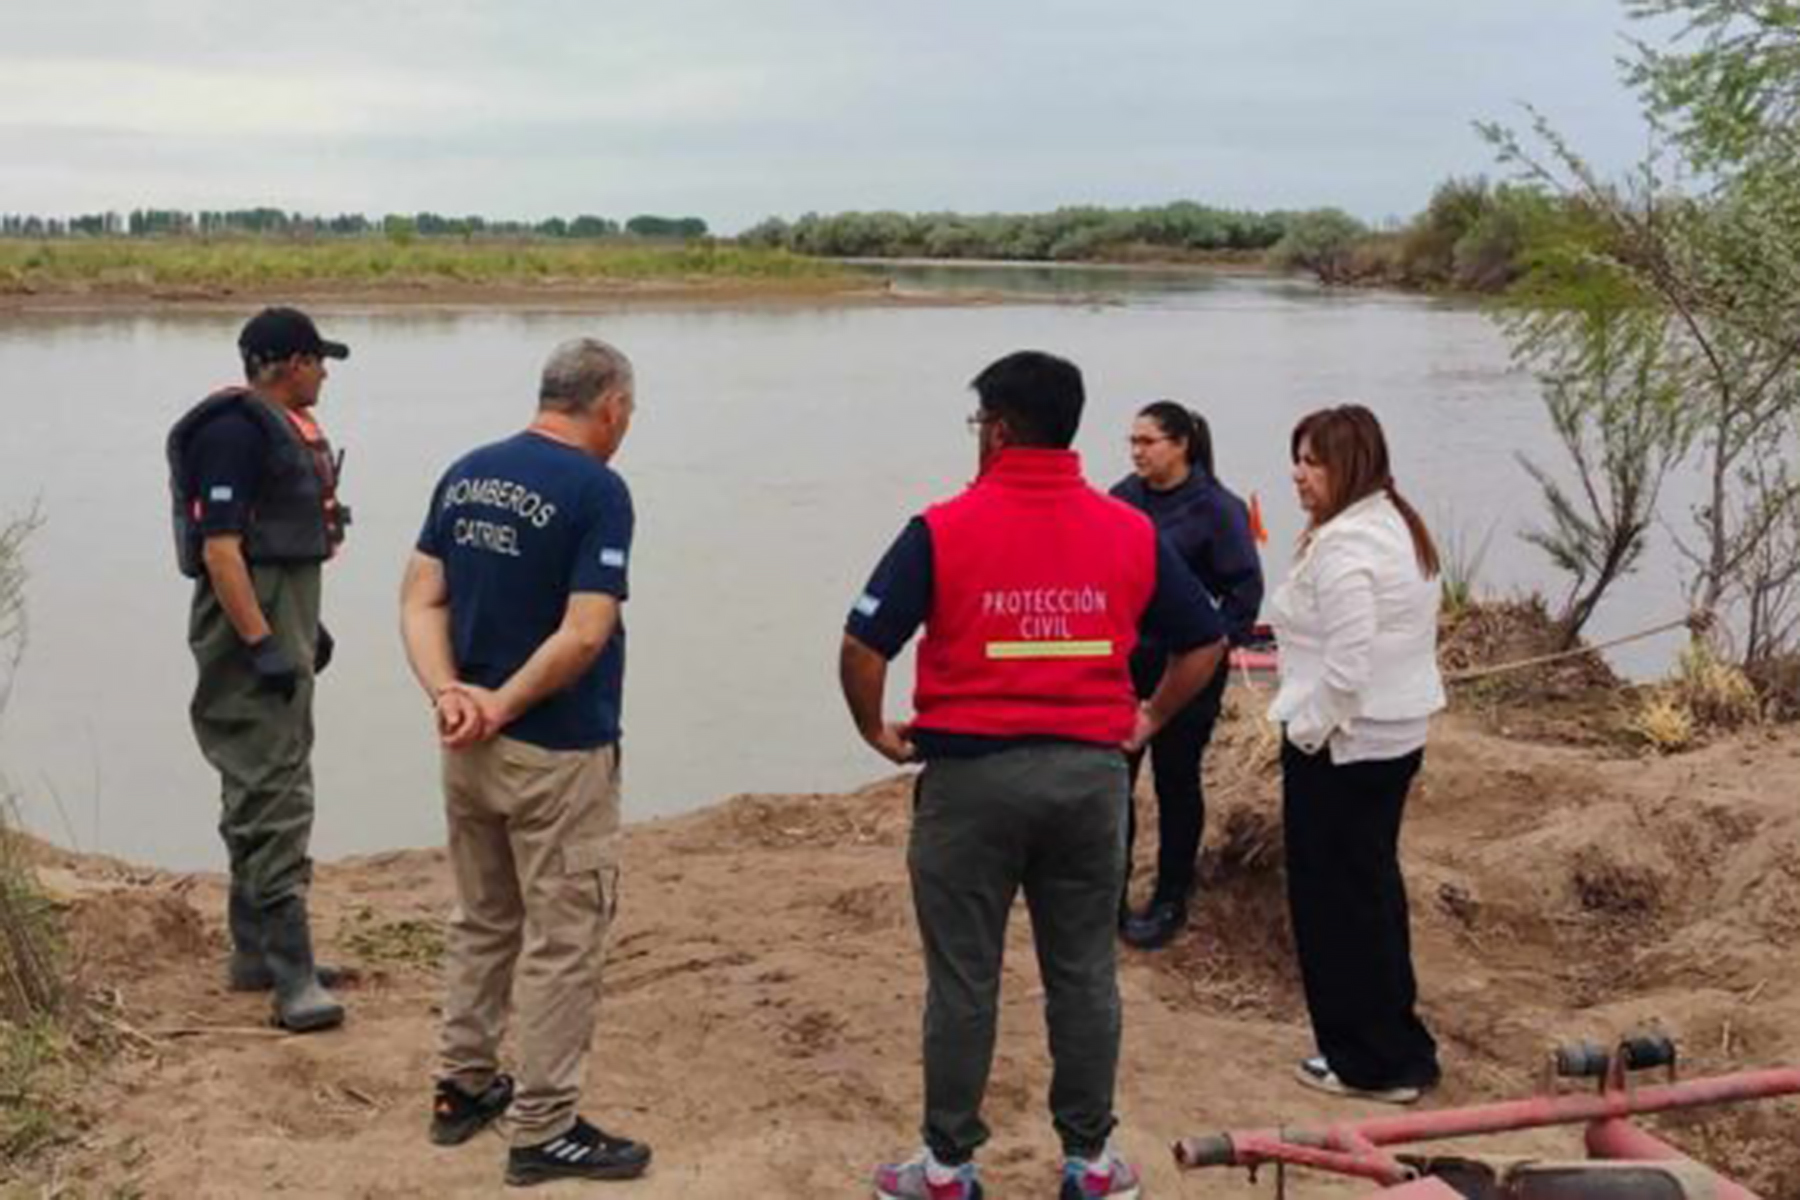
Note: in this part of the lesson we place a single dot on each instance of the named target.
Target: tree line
(1070, 234)
(265, 222)
(1473, 236)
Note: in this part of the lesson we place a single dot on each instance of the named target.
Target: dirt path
(762, 1004)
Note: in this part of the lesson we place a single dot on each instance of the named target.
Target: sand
(761, 1011)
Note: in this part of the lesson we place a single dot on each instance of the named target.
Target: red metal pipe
(1346, 1138)
(1619, 1139)
(1538, 1111)
(1256, 1149)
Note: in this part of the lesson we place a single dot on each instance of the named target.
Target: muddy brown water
(775, 452)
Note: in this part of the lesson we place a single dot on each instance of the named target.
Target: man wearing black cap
(254, 489)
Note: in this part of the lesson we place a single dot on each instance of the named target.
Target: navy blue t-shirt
(520, 526)
(897, 601)
(223, 461)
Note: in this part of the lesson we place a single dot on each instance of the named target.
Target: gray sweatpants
(1048, 818)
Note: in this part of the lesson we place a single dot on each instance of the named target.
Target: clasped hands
(467, 714)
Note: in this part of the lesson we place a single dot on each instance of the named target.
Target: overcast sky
(732, 110)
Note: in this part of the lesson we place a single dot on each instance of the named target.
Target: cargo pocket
(599, 868)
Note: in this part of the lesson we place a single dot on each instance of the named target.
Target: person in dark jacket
(1208, 527)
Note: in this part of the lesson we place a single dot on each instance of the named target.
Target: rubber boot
(301, 1003)
(249, 969)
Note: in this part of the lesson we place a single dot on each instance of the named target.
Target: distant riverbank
(105, 271)
(196, 276)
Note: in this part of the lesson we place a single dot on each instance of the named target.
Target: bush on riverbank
(1473, 237)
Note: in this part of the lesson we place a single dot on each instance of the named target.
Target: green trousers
(260, 743)
(1048, 820)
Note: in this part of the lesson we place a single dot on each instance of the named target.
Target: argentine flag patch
(611, 557)
(867, 605)
(221, 494)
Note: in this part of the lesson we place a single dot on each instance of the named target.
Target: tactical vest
(295, 515)
(1038, 585)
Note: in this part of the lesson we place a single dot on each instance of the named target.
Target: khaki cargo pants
(534, 850)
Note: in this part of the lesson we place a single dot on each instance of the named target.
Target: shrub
(1322, 241)
(1664, 723)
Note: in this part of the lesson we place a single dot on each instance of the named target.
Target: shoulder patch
(611, 556)
(867, 605)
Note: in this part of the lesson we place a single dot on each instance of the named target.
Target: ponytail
(1187, 426)
(1200, 444)
(1424, 549)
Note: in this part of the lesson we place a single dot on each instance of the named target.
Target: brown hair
(1348, 442)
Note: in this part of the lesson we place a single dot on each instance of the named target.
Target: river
(776, 450)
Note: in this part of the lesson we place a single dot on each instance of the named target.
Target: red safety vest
(1038, 584)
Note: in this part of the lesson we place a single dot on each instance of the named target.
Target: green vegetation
(1698, 297)
(1076, 234)
(1462, 554)
(409, 942)
(36, 1044)
(1473, 237)
(1602, 357)
(399, 260)
(1324, 242)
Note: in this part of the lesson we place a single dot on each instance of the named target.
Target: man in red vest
(1031, 587)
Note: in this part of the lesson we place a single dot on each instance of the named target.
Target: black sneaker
(457, 1116)
(582, 1153)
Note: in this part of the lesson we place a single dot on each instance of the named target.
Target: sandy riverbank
(761, 1011)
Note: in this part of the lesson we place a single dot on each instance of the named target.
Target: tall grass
(34, 993)
(1462, 556)
(246, 262)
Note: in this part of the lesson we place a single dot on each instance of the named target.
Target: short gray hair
(579, 372)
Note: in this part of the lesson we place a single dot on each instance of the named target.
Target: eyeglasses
(979, 418)
(1139, 442)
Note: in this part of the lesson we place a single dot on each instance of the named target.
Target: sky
(733, 111)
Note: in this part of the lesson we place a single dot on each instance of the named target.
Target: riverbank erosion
(762, 1000)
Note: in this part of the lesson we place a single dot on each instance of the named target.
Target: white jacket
(1356, 627)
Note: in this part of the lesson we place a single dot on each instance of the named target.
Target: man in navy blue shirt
(510, 611)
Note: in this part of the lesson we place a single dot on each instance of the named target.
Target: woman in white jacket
(1356, 620)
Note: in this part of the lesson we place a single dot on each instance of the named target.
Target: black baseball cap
(277, 334)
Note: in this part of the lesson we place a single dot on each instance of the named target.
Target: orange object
(1258, 530)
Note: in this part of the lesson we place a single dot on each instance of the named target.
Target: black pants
(1048, 820)
(1348, 902)
(1175, 760)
